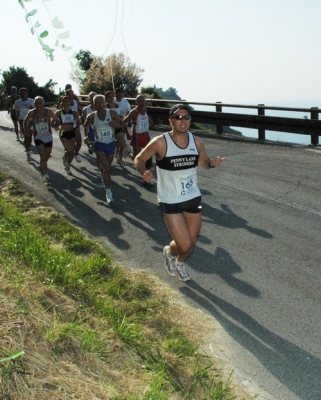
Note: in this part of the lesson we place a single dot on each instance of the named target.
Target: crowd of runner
(177, 153)
(105, 121)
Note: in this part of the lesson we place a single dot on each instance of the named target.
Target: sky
(233, 51)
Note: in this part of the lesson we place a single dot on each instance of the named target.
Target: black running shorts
(192, 206)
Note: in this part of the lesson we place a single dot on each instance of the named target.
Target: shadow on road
(297, 369)
(6, 129)
(228, 219)
(110, 221)
(221, 263)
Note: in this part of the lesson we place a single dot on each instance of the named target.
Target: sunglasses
(180, 117)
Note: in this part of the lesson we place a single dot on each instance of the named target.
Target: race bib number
(68, 119)
(105, 135)
(42, 127)
(143, 126)
(185, 186)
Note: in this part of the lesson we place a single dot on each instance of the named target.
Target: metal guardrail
(261, 122)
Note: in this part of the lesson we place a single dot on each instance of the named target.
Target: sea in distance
(271, 135)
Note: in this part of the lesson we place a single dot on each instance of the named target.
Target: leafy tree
(113, 72)
(16, 76)
(85, 58)
(151, 92)
(47, 91)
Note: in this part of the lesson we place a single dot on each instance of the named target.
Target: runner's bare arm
(204, 159)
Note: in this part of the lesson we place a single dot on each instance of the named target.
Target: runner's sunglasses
(180, 117)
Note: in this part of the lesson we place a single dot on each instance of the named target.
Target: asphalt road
(256, 267)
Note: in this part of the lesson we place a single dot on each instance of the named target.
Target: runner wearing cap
(178, 154)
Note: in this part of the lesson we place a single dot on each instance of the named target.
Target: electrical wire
(121, 25)
(115, 24)
(121, 34)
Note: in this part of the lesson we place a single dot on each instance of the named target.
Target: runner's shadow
(222, 264)
(139, 210)
(227, 218)
(68, 194)
(294, 367)
(6, 128)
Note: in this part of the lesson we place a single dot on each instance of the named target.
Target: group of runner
(105, 122)
(178, 153)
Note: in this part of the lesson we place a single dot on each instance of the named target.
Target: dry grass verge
(72, 349)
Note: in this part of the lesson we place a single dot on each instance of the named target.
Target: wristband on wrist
(209, 164)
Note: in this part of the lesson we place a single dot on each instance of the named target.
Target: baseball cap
(178, 107)
(14, 88)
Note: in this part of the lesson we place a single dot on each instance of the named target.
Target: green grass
(115, 317)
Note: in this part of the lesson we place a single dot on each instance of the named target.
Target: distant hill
(168, 94)
(171, 94)
(212, 128)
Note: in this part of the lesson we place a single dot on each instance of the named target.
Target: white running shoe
(78, 158)
(169, 262)
(128, 151)
(46, 179)
(109, 196)
(182, 273)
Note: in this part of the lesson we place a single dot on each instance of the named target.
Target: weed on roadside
(83, 326)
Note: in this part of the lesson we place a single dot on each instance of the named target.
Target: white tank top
(88, 110)
(42, 127)
(177, 172)
(74, 106)
(103, 132)
(141, 123)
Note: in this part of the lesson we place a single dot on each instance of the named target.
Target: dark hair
(107, 93)
(62, 100)
(119, 90)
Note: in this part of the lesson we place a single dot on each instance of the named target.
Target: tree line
(97, 74)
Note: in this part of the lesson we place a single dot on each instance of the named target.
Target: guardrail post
(314, 115)
(218, 108)
(261, 111)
